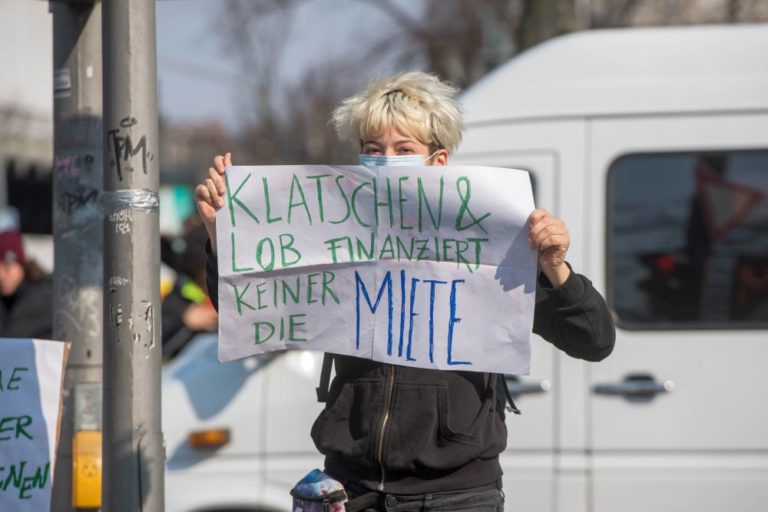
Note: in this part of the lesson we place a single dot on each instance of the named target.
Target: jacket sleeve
(212, 275)
(574, 318)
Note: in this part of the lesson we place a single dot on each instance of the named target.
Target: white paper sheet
(31, 374)
(418, 266)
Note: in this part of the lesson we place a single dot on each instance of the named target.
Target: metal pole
(77, 224)
(133, 444)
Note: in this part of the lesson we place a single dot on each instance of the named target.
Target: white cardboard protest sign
(31, 373)
(417, 266)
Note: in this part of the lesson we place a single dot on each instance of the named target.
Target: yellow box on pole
(86, 469)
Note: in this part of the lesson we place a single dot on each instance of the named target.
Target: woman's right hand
(209, 195)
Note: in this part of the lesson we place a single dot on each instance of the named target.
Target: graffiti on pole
(124, 150)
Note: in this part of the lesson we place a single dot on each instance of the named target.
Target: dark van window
(688, 239)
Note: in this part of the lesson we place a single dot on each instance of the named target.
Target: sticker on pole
(417, 266)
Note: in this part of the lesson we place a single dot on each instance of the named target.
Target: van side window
(687, 242)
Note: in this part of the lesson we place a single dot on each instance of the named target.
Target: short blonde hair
(415, 103)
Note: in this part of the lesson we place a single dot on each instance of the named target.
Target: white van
(652, 144)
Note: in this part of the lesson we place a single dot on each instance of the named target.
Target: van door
(678, 416)
(291, 407)
(528, 462)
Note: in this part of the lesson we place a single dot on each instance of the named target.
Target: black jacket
(176, 335)
(28, 313)
(406, 430)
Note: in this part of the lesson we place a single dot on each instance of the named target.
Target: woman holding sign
(405, 438)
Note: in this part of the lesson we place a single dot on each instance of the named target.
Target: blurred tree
(462, 40)
(545, 19)
(256, 32)
(459, 40)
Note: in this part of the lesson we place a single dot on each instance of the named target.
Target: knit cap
(11, 246)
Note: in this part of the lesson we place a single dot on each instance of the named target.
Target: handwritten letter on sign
(418, 266)
(31, 374)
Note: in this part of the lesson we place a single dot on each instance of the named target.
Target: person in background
(26, 295)
(187, 310)
(402, 438)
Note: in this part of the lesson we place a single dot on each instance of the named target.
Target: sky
(26, 56)
(194, 75)
(198, 79)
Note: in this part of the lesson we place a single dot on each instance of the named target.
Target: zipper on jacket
(384, 421)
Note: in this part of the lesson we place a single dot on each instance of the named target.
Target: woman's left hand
(551, 239)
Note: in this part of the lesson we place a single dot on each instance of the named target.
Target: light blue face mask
(394, 160)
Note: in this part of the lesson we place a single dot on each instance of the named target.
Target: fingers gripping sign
(209, 195)
(551, 239)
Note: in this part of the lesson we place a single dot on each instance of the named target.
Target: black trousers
(484, 499)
